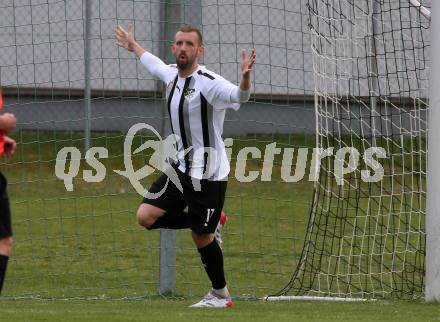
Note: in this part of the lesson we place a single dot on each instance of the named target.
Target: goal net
(86, 243)
(366, 238)
(353, 72)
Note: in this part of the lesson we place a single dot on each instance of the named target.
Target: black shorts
(5, 213)
(204, 206)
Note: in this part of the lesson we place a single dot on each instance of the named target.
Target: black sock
(172, 221)
(212, 259)
(3, 265)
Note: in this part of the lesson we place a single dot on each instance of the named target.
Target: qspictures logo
(346, 160)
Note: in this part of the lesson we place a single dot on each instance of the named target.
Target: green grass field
(177, 310)
(85, 244)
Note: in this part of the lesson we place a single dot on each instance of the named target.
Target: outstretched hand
(247, 63)
(10, 146)
(125, 38)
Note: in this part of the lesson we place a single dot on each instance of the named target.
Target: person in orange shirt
(7, 148)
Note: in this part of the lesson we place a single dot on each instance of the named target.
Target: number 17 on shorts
(209, 213)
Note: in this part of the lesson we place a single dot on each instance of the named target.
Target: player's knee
(143, 219)
(202, 240)
(6, 246)
(145, 216)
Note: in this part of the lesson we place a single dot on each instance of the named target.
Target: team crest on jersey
(189, 93)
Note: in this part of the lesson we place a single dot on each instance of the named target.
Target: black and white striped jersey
(197, 106)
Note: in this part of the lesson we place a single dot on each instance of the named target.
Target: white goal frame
(432, 269)
(423, 10)
(432, 283)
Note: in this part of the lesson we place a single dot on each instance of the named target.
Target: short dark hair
(189, 28)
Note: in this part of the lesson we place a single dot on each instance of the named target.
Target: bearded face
(183, 60)
(186, 49)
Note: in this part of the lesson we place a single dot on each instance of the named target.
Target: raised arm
(125, 39)
(246, 68)
(223, 94)
(242, 93)
(10, 146)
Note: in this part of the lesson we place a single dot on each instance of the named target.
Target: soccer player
(197, 100)
(7, 147)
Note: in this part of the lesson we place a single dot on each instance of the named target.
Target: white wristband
(240, 96)
(245, 95)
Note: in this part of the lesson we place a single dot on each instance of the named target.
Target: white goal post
(432, 288)
(372, 61)
(423, 10)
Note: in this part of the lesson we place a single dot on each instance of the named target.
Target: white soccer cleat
(219, 228)
(214, 301)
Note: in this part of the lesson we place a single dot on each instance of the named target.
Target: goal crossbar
(423, 10)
